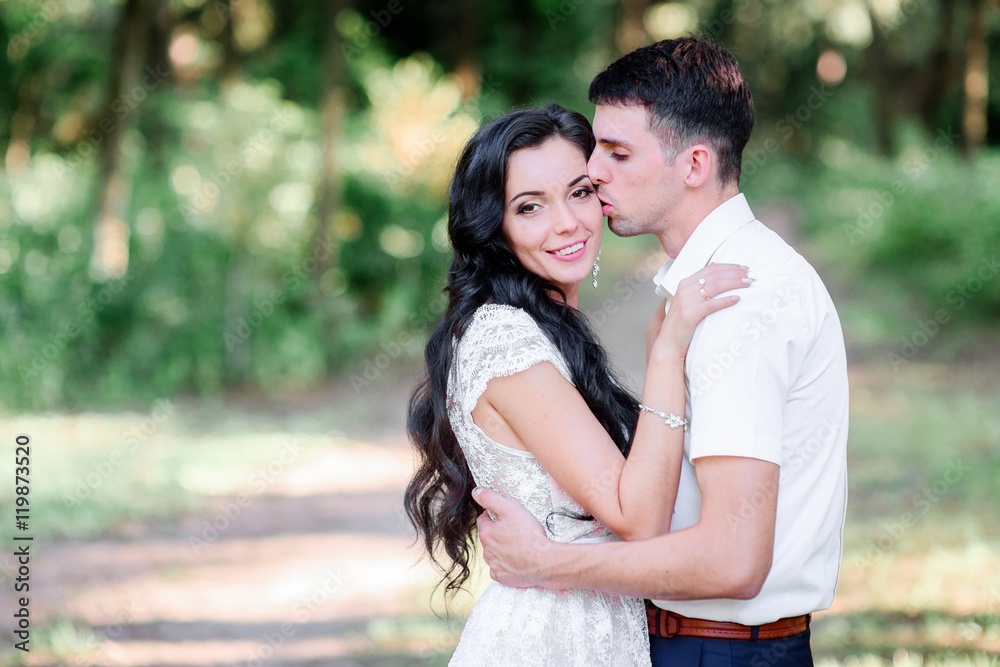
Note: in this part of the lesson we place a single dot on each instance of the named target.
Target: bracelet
(673, 421)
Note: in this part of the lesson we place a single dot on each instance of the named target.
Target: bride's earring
(597, 266)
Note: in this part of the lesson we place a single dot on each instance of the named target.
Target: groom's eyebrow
(615, 142)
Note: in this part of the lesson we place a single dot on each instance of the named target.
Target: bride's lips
(571, 256)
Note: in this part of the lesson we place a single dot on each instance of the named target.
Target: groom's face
(633, 179)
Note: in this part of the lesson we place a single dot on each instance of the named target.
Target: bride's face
(552, 218)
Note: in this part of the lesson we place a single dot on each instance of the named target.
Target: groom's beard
(626, 226)
(620, 225)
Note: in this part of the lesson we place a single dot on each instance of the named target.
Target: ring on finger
(702, 281)
(492, 515)
(704, 294)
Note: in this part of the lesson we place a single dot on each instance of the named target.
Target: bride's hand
(696, 298)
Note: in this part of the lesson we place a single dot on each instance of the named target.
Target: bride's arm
(633, 497)
(653, 330)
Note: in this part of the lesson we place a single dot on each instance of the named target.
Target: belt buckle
(669, 624)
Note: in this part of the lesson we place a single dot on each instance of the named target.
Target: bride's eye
(530, 207)
(582, 193)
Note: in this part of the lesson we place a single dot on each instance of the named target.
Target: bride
(519, 396)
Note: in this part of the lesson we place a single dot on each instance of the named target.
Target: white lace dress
(513, 626)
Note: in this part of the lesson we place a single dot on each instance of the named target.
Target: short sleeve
(501, 340)
(739, 370)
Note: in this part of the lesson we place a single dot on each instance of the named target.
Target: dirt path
(295, 582)
(319, 570)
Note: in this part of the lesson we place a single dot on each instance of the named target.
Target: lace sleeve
(501, 340)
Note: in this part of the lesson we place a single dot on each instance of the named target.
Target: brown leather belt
(667, 624)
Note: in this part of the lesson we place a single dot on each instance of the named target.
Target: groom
(756, 538)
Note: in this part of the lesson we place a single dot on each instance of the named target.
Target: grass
(127, 474)
(921, 568)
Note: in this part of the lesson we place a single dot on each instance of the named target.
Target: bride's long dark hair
(485, 269)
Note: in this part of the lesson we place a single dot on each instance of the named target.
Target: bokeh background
(222, 241)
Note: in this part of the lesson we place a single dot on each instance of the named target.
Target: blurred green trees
(199, 194)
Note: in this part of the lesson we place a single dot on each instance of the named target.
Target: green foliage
(234, 281)
(229, 281)
(921, 230)
(943, 238)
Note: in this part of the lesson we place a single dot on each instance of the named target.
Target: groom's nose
(596, 170)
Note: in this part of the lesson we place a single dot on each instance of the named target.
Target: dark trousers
(696, 652)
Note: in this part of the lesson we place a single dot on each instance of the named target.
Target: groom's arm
(727, 554)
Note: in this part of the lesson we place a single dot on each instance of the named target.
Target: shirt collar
(706, 238)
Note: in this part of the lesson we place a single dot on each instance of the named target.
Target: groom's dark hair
(693, 91)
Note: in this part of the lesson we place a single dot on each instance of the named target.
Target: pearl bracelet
(673, 421)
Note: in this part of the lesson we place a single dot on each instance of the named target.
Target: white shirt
(767, 379)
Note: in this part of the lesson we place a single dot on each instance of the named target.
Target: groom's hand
(514, 544)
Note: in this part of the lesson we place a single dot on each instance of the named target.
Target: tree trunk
(939, 70)
(332, 111)
(631, 32)
(467, 47)
(22, 124)
(110, 255)
(880, 81)
(522, 27)
(230, 59)
(975, 81)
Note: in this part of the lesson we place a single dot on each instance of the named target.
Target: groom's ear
(699, 161)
